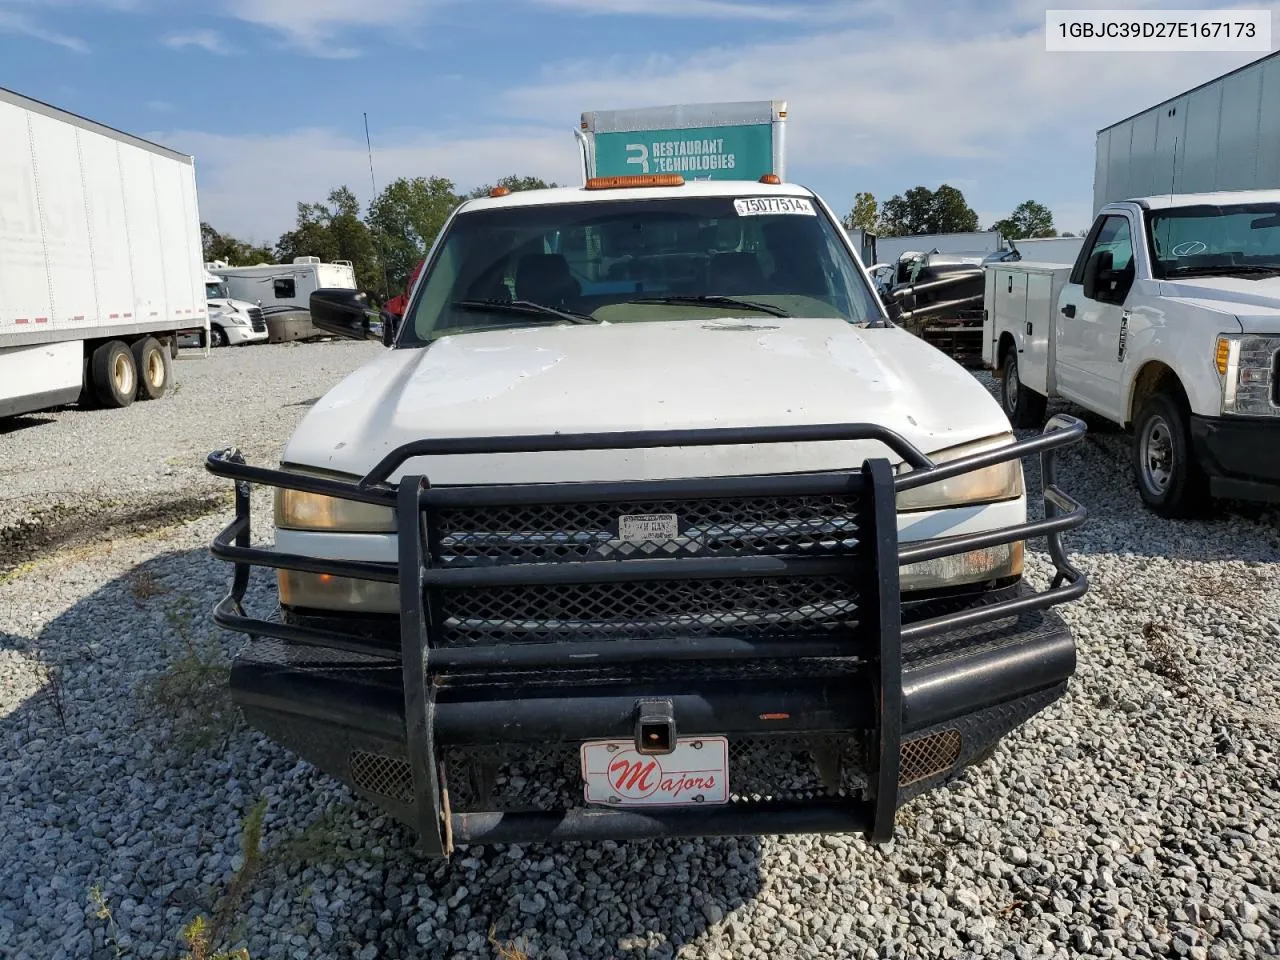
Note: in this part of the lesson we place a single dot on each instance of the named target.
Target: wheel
(1023, 406)
(217, 337)
(1170, 480)
(154, 368)
(114, 374)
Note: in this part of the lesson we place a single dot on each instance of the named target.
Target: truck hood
(644, 376)
(1255, 303)
(223, 303)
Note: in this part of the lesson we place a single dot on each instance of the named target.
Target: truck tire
(114, 374)
(1023, 406)
(1170, 480)
(217, 336)
(155, 368)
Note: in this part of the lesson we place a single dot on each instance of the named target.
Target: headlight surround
(1246, 366)
(296, 510)
(1001, 562)
(324, 591)
(1001, 481)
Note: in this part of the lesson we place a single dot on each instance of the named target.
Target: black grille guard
(415, 500)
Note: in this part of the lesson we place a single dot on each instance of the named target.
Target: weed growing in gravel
(102, 910)
(200, 943)
(49, 676)
(194, 692)
(144, 586)
(511, 950)
(202, 935)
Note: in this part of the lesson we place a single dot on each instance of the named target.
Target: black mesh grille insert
(724, 527)
(746, 607)
(383, 775)
(549, 777)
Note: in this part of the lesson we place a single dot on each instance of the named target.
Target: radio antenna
(373, 185)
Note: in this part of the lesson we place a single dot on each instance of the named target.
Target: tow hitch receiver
(656, 728)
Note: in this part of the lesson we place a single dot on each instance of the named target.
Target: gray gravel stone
(1090, 825)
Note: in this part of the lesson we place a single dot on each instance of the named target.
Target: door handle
(1069, 310)
(1028, 328)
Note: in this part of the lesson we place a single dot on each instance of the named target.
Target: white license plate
(696, 772)
(649, 527)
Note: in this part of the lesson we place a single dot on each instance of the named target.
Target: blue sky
(268, 95)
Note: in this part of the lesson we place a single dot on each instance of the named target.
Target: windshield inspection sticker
(755, 206)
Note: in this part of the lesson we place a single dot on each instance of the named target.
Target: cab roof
(691, 188)
(1220, 198)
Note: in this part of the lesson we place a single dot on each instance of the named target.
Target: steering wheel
(1189, 248)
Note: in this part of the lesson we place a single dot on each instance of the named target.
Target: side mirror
(344, 313)
(1097, 270)
(390, 327)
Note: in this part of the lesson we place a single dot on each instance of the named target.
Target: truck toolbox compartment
(772, 618)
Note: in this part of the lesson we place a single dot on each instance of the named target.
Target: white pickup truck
(648, 523)
(1167, 323)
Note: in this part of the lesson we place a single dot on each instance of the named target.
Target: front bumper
(1240, 454)
(838, 702)
(237, 335)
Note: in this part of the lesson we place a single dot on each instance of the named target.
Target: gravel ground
(1139, 816)
(63, 470)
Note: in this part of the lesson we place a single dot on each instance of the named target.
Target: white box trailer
(736, 140)
(100, 260)
(1221, 135)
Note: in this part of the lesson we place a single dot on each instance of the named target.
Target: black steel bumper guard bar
(413, 497)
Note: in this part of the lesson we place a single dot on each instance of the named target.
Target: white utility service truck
(1168, 323)
(282, 291)
(99, 260)
(648, 523)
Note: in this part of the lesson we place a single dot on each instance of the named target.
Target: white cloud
(313, 25)
(208, 40)
(11, 22)
(250, 186)
(703, 9)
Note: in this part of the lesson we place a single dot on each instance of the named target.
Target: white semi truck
(100, 260)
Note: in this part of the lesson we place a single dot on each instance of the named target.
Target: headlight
(238, 319)
(1003, 481)
(324, 591)
(1246, 366)
(978, 566)
(296, 510)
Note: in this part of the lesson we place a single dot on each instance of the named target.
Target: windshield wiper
(524, 306)
(1221, 268)
(713, 301)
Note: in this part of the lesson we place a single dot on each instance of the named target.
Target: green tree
(333, 231)
(921, 210)
(863, 215)
(224, 247)
(1028, 219)
(512, 183)
(406, 217)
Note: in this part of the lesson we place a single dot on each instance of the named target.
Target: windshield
(214, 291)
(1215, 239)
(631, 261)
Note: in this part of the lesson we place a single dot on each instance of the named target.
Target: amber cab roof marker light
(636, 180)
(771, 178)
(499, 191)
